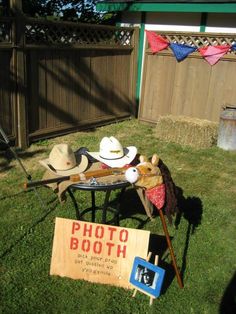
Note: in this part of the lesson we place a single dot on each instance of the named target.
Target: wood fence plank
(191, 88)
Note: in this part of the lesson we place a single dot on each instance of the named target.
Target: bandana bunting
(211, 54)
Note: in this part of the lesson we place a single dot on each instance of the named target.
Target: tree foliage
(67, 10)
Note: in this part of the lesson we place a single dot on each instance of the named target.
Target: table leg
(105, 205)
(118, 206)
(75, 203)
(93, 205)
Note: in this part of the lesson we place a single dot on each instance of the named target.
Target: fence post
(134, 72)
(19, 72)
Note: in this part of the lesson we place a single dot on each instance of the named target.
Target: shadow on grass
(131, 206)
(158, 246)
(6, 156)
(29, 230)
(190, 209)
(228, 302)
(9, 154)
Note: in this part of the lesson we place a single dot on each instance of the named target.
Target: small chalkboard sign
(147, 277)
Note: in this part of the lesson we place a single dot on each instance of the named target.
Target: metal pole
(27, 175)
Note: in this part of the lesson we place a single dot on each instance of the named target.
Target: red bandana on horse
(157, 195)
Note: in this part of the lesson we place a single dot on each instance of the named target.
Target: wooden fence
(192, 87)
(58, 77)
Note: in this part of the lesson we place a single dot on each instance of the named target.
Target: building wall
(173, 21)
(221, 23)
(218, 23)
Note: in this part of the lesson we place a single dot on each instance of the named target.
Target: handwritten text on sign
(96, 252)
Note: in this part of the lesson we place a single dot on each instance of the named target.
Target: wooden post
(133, 70)
(155, 263)
(19, 73)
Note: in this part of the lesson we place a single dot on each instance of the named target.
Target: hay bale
(188, 131)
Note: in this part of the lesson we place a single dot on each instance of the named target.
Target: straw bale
(197, 133)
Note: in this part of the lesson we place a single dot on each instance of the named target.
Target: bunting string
(212, 53)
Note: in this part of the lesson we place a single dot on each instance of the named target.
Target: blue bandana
(181, 51)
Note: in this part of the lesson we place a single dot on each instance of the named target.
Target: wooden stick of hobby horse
(170, 248)
(77, 177)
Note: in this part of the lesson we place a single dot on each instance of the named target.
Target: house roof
(216, 6)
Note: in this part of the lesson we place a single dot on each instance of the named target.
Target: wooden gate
(58, 77)
(191, 87)
(78, 76)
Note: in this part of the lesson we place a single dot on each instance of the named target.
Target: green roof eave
(167, 7)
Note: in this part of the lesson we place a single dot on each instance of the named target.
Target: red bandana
(104, 166)
(212, 54)
(156, 42)
(157, 195)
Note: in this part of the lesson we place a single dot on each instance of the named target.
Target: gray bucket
(227, 128)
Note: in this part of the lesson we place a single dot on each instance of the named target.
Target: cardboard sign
(96, 252)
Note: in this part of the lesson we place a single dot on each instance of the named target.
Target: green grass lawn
(203, 238)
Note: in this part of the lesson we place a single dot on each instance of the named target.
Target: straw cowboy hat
(113, 154)
(62, 161)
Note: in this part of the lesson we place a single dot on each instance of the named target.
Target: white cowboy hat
(62, 161)
(113, 154)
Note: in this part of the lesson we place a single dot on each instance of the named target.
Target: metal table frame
(93, 188)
